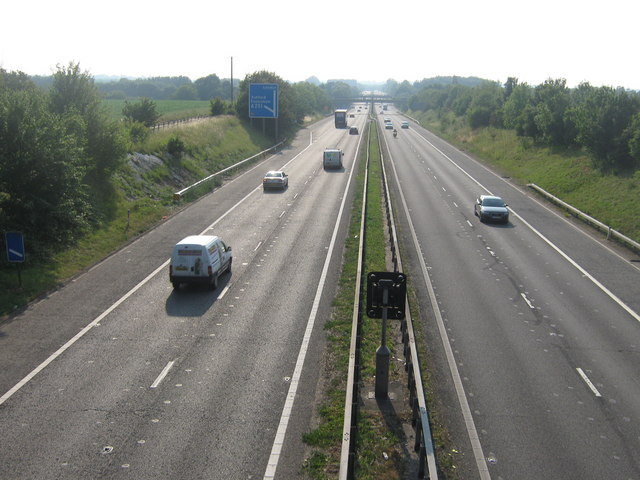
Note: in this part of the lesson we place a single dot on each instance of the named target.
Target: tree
(309, 99)
(340, 93)
(486, 102)
(218, 107)
(74, 97)
(15, 80)
(41, 171)
(143, 111)
(286, 122)
(604, 122)
(185, 92)
(458, 99)
(552, 101)
(514, 108)
(634, 139)
(510, 86)
(390, 87)
(208, 87)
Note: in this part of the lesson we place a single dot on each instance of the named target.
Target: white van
(199, 259)
(332, 158)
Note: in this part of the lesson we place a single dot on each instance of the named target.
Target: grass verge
(138, 198)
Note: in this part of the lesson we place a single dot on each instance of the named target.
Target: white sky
(578, 40)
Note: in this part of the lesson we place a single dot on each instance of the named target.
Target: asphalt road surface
(116, 375)
(533, 325)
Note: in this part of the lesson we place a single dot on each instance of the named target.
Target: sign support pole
(383, 354)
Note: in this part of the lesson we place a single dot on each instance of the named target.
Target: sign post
(386, 293)
(263, 102)
(15, 250)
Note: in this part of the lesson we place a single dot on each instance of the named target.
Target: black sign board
(396, 285)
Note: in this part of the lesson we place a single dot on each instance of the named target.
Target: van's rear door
(188, 261)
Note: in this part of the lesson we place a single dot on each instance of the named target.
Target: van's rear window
(196, 253)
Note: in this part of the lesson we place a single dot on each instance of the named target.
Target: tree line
(604, 121)
(59, 149)
(158, 88)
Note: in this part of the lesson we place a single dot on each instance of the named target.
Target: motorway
(532, 327)
(116, 375)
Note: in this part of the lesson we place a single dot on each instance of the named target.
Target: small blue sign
(263, 100)
(15, 246)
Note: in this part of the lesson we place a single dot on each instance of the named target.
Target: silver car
(275, 179)
(491, 208)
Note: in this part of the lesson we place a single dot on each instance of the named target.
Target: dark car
(491, 208)
(353, 131)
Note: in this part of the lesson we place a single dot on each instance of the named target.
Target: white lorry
(332, 158)
(199, 259)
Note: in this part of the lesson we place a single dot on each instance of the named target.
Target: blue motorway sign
(263, 100)
(15, 246)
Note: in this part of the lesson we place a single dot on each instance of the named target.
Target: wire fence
(174, 123)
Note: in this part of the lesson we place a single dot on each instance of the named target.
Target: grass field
(168, 109)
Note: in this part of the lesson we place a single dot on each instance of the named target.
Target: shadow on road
(194, 300)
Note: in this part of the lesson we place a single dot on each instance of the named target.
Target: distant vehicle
(384, 107)
(332, 158)
(352, 115)
(404, 124)
(388, 126)
(491, 208)
(275, 179)
(353, 131)
(199, 259)
(340, 118)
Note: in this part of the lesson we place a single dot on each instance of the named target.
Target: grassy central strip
(378, 450)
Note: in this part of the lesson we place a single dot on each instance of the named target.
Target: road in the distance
(189, 384)
(549, 364)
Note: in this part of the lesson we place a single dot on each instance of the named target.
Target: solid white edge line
(278, 442)
(223, 292)
(82, 332)
(79, 335)
(163, 374)
(588, 382)
(474, 439)
(545, 239)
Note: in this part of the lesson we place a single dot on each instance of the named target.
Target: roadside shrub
(175, 146)
(138, 132)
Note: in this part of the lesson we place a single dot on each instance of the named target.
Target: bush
(218, 107)
(175, 146)
(138, 131)
(143, 111)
